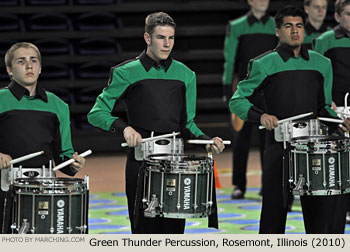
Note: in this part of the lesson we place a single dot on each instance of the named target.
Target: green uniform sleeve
(191, 97)
(319, 46)
(101, 113)
(65, 132)
(230, 48)
(328, 80)
(239, 103)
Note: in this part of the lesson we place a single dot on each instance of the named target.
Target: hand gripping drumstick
(68, 162)
(154, 138)
(200, 141)
(29, 156)
(290, 119)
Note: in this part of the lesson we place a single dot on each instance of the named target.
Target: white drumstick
(290, 119)
(154, 138)
(29, 156)
(333, 120)
(68, 162)
(200, 141)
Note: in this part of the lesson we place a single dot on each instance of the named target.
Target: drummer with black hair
(31, 119)
(294, 81)
(160, 95)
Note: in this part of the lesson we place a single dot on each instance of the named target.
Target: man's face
(25, 67)
(291, 32)
(259, 5)
(317, 10)
(344, 18)
(160, 43)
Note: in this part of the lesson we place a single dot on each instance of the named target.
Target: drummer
(160, 95)
(32, 119)
(294, 81)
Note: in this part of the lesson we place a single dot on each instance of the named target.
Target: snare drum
(50, 206)
(308, 129)
(320, 166)
(178, 186)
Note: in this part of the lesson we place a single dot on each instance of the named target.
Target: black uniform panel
(154, 105)
(340, 63)
(261, 43)
(37, 130)
(302, 85)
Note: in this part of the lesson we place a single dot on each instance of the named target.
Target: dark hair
(158, 18)
(340, 6)
(289, 11)
(308, 2)
(10, 52)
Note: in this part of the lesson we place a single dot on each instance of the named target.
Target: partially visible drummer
(160, 95)
(32, 119)
(293, 81)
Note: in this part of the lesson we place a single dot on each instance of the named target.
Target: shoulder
(238, 21)
(328, 35)
(319, 58)
(128, 64)
(269, 55)
(55, 100)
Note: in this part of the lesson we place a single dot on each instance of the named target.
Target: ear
(9, 71)
(337, 17)
(306, 9)
(147, 38)
(277, 31)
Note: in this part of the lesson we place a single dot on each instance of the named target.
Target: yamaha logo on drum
(60, 216)
(187, 193)
(331, 170)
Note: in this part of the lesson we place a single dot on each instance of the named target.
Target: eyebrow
(31, 57)
(292, 23)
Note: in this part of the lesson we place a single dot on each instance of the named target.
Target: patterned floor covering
(108, 214)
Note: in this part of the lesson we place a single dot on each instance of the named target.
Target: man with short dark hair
(32, 119)
(160, 95)
(314, 26)
(294, 81)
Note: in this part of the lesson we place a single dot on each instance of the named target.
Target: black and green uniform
(311, 33)
(290, 86)
(246, 38)
(159, 98)
(335, 45)
(33, 123)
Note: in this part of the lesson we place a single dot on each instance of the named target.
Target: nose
(294, 29)
(166, 42)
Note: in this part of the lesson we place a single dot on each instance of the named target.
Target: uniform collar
(148, 62)
(310, 29)
(285, 52)
(252, 19)
(340, 32)
(18, 91)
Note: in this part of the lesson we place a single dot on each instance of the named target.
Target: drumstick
(200, 141)
(68, 162)
(330, 120)
(154, 138)
(290, 119)
(29, 156)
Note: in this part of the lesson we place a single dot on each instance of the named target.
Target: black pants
(240, 150)
(146, 225)
(322, 214)
(6, 204)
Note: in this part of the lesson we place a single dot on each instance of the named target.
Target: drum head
(178, 162)
(49, 185)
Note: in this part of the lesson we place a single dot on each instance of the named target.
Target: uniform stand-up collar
(310, 29)
(19, 91)
(148, 62)
(252, 19)
(286, 52)
(340, 32)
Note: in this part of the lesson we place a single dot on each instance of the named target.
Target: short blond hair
(10, 52)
